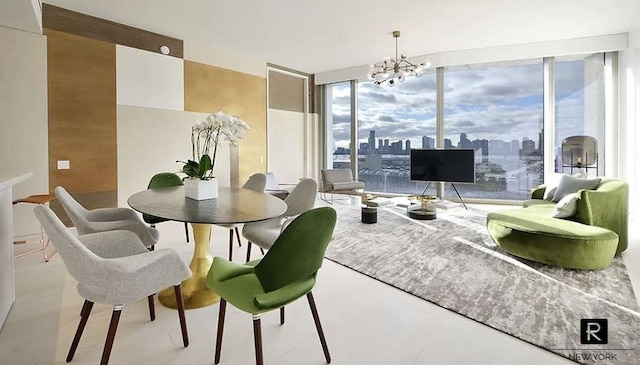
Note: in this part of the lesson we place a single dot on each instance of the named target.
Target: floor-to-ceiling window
(391, 121)
(579, 100)
(338, 125)
(497, 111)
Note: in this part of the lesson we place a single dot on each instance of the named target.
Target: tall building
(515, 147)
(447, 143)
(428, 142)
(407, 145)
(528, 147)
(372, 141)
(379, 144)
(464, 141)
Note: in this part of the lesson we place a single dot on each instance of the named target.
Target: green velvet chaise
(588, 240)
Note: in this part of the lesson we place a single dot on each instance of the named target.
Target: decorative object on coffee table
(425, 209)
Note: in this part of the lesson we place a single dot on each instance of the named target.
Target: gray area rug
(452, 262)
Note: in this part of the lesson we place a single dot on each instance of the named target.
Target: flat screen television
(451, 165)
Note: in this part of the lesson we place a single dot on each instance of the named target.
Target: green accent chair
(286, 273)
(588, 240)
(163, 180)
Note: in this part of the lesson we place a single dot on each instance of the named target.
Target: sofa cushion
(352, 185)
(535, 202)
(532, 233)
(566, 207)
(569, 184)
(538, 219)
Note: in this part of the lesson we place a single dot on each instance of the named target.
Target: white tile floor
(365, 321)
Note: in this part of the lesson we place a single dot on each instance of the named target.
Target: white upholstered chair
(337, 180)
(106, 219)
(256, 182)
(111, 278)
(264, 233)
(274, 188)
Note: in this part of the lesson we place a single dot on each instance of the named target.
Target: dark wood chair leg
(186, 231)
(230, 244)
(248, 251)
(85, 312)
(281, 315)
(257, 338)
(262, 251)
(316, 319)
(238, 236)
(152, 247)
(223, 307)
(183, 321)
(111, 334)
(152, 308)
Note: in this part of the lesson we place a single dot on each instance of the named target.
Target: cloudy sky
(502, 102)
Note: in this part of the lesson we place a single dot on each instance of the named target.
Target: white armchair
(113, 279)
(106, 219)
(264, 233)
(337, 180)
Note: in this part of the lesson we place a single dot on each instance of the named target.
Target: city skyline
(386, 146)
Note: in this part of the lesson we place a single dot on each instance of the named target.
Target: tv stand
(454, 188)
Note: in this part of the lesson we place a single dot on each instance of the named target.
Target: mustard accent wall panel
(82, 116)
(208, 89)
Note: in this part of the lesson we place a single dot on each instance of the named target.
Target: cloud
(376, 97)
(386, 118)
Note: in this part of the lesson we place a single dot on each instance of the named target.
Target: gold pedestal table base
(195, 292)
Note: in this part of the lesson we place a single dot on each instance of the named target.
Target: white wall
(23, 118)
(151, 140)
(629, 114)
(149, 79)
(203, 53)
(286, 145)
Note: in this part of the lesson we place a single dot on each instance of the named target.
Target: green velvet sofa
(588, 240)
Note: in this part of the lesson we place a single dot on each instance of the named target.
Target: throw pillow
(569, 184)
(566, 207)
(552, 185)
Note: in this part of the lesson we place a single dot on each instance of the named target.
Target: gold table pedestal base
(195, 292)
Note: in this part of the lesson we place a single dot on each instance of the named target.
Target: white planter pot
(201, 189)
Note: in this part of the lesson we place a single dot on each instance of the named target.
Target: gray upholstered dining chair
(117, 280)
(336, 180)
(105, 219)
(256, 182)
(264, 233)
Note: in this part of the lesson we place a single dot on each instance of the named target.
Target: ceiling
(324, 35)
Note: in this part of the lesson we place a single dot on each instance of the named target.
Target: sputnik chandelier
(394, 70)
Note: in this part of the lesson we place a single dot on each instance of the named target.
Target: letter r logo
(594, 331)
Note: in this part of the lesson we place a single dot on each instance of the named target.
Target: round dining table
(232, 206)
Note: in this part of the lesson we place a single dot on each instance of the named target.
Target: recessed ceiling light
(164, 50)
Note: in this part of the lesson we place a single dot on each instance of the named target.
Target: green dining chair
(164, 180)
(286, 273)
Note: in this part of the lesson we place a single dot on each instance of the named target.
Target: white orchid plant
(205, 136)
